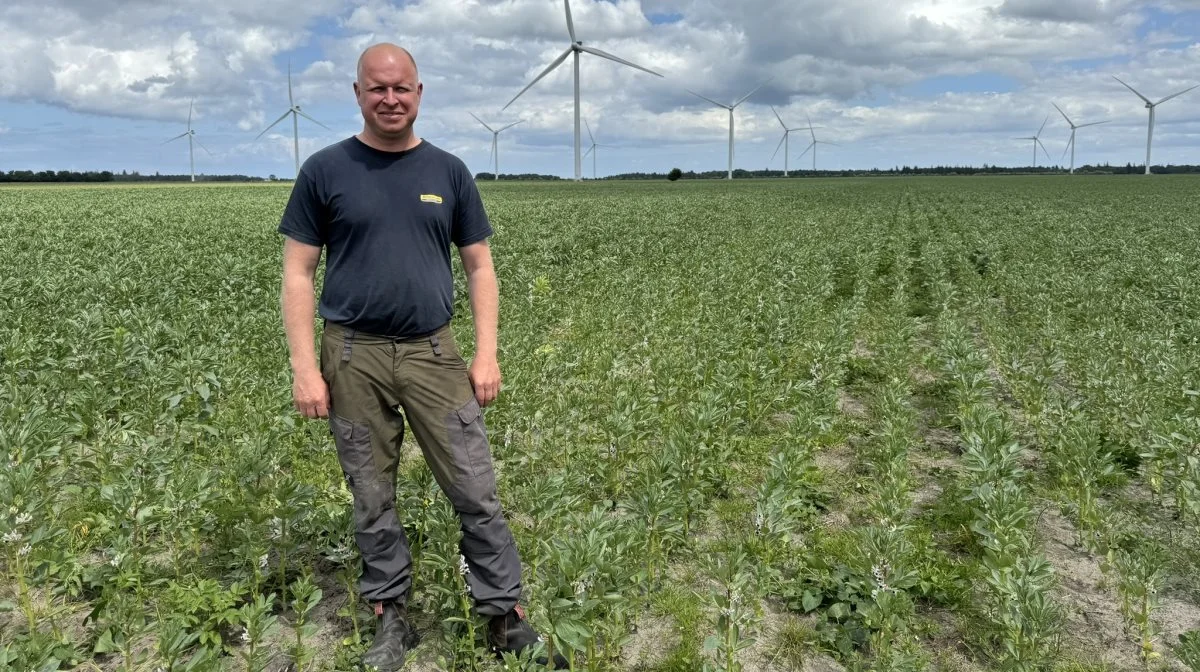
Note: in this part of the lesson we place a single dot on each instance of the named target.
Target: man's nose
(391, 98)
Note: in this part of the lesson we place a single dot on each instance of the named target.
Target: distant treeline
(123, 176)
(1105, 169)
(479, 177)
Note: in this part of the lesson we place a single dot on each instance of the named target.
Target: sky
(104, 84)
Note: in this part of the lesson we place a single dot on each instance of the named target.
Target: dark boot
(512, 633)
(392, 637)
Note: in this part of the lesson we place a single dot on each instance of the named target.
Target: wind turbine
(294, 110)
(813, 145)
(730, 108)
(191, 136)
(1150, 106)
(592, 150)
(783, 142)
(1037, 141)
(575, 48)
(495, 134)
(1071, 142)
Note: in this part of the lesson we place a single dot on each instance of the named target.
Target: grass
(674, 355)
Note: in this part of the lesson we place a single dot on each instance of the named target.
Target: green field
(889, 424)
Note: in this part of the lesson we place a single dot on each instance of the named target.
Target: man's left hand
(485, 378)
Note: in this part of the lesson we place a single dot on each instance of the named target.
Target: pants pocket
(468, 439)
(353, 441)
(374, 494)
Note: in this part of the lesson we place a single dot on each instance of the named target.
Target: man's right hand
(310, 394)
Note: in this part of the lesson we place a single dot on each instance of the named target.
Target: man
(386, 206)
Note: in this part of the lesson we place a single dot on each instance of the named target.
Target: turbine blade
(570, 23)
(1042, 127)
(605, 54)
(480, 121)
(1175, 94)
(785, 128)
(1135, 92)
(553, 64)
(492, 149)
(313, 120)
(822, 142)
(502, 128)
(1064, 115)
(589, 130)
(202, 147)
(810, 129)
(708, 99)
(264, 132)
(190, 114)
(1039, 142)
(810, 146)
(290, 101)
(1067, 148)
(743, 98)
(1093, 123)
(181, 135)
(589, 151)
(779, 146)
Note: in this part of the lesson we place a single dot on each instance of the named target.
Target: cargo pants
(372, 381)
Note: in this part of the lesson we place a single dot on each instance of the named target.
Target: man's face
(388, 93)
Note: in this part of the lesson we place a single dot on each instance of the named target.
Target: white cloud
(857, 66)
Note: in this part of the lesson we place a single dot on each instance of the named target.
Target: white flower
(24, 518)
(463, 568)
(116, 560)
(245, 635)
(758, 522)
(25, 550)
(262, 561)
(12, 537)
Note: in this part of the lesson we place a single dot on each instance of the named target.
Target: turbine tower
(592, 150)
(575, 48)
(495, 134)
(730, 108)
(190, 134)
(1037, 141)
(783, 142)
(294, 110)
(813, 145)
(1150, 106)
(1071, 142)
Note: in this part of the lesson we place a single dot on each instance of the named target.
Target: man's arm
(309, 391)
(484, 293)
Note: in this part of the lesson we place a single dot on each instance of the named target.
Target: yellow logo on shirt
(431, 198)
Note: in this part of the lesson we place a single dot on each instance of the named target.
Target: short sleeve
(304, 216)
(471, 223)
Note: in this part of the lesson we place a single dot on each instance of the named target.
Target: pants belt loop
(347, 342)
(437, 345)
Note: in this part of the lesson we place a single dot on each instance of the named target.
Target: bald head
(388, 90)
(382, 55)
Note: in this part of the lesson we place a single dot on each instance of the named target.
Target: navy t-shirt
(386, 220)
